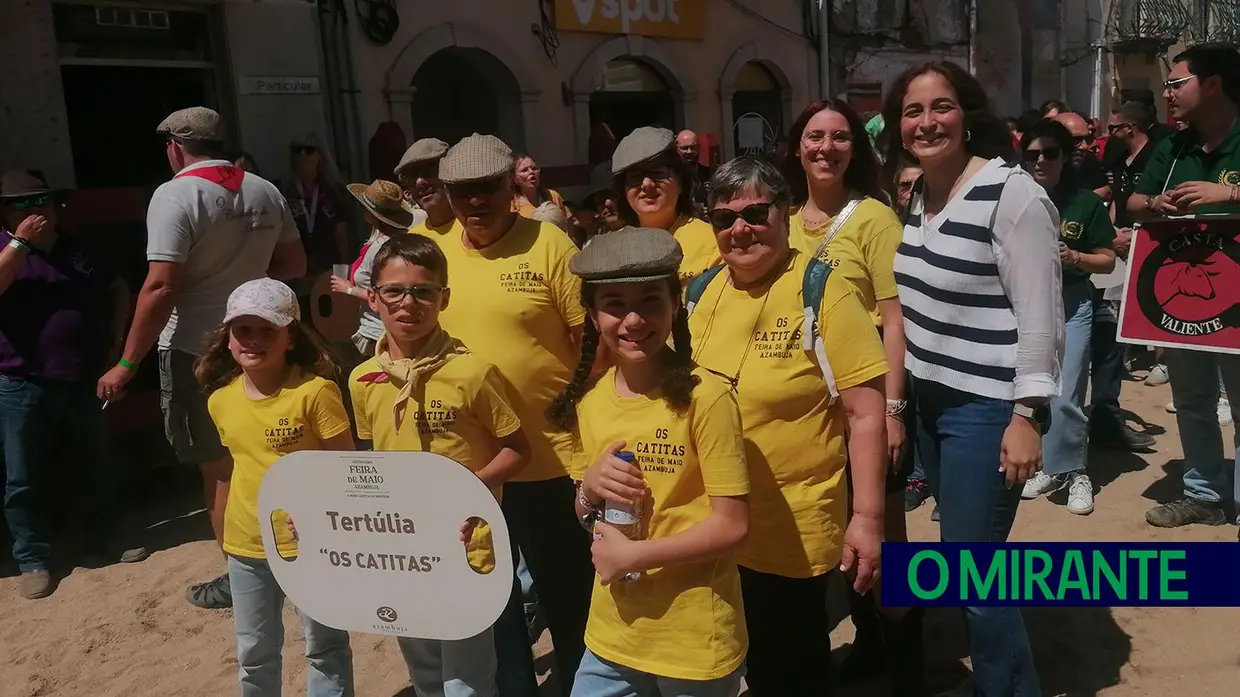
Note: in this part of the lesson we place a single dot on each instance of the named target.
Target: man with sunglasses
(211, 228)
(1197, 171)
(61, 314)
(418, 174)
(1085, 157)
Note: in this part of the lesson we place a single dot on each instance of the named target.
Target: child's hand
(613, 479)
(292, 529)
(467, 530)
(614, 554)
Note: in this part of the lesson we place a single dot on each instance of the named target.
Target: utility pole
(824, 47)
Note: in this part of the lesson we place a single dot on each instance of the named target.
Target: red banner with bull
(1183, 288)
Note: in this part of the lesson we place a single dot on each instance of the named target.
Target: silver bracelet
(19, 244)
(896, 407)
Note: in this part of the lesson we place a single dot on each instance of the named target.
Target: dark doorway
(629, 94)
(118, 147)
(459, 91)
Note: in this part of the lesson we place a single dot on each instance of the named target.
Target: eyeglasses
(658, 175)
(304, 149)
(1176, 84)
(1051, 154)
(754, 214)
(392, 294)
(907, 184)
(1087, 141)
(482, 189)
(1113, 127)
(840, 140)
(25, 204)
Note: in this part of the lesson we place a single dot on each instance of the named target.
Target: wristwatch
(1040, 415)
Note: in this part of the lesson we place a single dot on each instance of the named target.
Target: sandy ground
(127, 630)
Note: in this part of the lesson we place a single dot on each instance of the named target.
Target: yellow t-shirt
(305, 412)
(522, 205)
(461, 412)
(685, 621)
(513, 304)
(794, 441)
(863, 251)
(426, 230)
(697, 242)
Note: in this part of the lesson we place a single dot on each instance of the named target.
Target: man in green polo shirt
(1198, 171)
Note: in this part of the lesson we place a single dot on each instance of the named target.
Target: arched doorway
(627, 94)
(463, 90)
(757, 110)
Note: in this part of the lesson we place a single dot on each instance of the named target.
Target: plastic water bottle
(626, 519)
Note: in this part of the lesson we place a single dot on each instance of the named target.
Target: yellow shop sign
(674, 19)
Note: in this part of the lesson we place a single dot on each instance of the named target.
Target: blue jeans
(462, 668)
(528, 595)
(959, 437)
(601, 678)
(1066, 444)
(37, 419)
(1107, 365)
(257, 606)
(1195, 392)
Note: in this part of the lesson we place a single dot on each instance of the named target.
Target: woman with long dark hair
(1085, 236)
(980, 286)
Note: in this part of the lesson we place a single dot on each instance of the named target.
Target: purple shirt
(53, 317)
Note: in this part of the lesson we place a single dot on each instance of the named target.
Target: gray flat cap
(642, 145)
(422, 150)
(476, 158)
(628, 255)
(194, 123)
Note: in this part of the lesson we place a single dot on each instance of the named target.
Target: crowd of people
(771, 362)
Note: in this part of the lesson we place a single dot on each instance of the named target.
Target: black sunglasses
(28, 202)
(1051, 154)
(484, 188)
(753, 214)
(304, 149)
(1113, 127)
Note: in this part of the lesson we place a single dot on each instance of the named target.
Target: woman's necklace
(735, 379)
(818, 219)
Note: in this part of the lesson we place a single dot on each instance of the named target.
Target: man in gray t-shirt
(210, 229)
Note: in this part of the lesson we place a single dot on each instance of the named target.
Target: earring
(967, 135)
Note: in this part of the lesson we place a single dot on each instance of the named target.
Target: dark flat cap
(628, 255)
(423, 150)
(642, 145)
(194, 123)
(476, 158)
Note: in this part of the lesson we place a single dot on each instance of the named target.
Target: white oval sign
(379, 543)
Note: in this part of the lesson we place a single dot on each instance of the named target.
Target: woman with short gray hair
(806, 364)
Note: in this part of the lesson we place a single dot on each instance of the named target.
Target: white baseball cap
(265, 298)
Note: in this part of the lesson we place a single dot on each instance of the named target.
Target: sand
(127, 629)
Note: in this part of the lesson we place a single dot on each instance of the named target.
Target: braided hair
(678, 378)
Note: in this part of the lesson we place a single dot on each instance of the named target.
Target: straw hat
(384, 201)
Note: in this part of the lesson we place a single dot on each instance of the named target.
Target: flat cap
(476, 158)
(194, 123)
(642, 145)
(423, 150)
(628, 255)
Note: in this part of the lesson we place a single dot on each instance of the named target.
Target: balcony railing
(1147, 25)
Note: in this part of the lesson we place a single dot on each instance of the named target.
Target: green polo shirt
(1179, 158)
(1084, 226)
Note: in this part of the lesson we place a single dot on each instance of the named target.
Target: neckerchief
(406, 373)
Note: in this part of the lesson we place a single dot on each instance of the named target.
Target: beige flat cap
(628, 255)
(642, 145)
(422, 150)
(476, 158)
(194, 123)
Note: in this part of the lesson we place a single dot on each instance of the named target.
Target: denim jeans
(462, 668)
(258, 603)
(37, 419)
(1195, 393)
(1066, 444)
(1107, 365)
(959, 437)
(601, 678)
(529, 596)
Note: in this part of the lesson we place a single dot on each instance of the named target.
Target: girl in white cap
(269, 378)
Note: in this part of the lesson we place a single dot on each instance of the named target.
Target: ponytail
(679, 380)
(562, 412)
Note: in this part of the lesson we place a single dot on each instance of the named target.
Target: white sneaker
(1041, 484)
(1158, 376)
(1080, 494)
(1224, 412)
(1170, 407)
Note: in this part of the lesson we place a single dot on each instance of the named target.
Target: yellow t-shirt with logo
(434, 232)
(685, 621)
(522, 205)
(794, 440)
(305, 412)
(460, 412)
(697, 242)
(863, 251)
(513, 304)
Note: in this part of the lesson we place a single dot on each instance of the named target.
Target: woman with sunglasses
(979, 277)
(316, 194)
(840, 216)
(802, 356)
(1085, 236)
(654, 189)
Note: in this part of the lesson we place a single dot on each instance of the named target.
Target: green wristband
(127, 365)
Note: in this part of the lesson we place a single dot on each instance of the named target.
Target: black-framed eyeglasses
(394, 294)
(28, 202)
(1113, 127)
(754, 214)
(657, 174)
(1032, 155)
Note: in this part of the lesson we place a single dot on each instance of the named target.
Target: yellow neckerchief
(406, 373)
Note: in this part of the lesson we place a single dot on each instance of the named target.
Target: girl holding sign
(424, 391)
(269, 378)
(665, 435)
